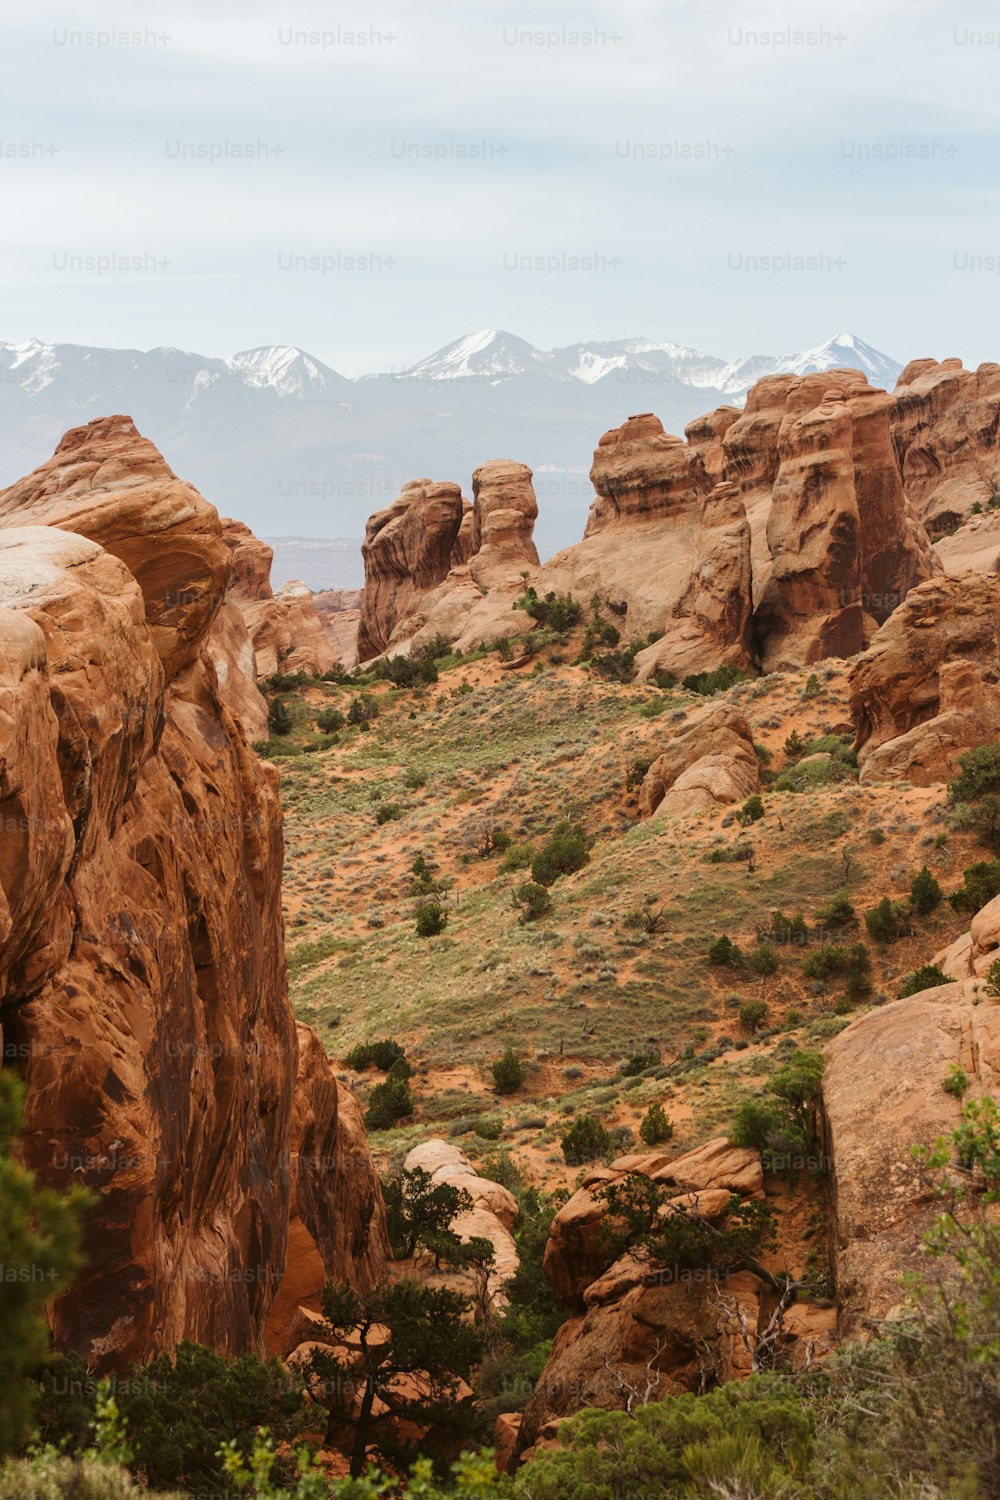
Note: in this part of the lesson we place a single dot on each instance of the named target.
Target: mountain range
(303, 454)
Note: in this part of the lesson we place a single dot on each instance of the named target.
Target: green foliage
(783, 1127)
(748, 1439)
(508, 1072)
(838, 911)
(925, 893)
(752, 810)
(956, 1081)
(330, 720)
(636, 773)
(753, 1014)
(928, 977)
(39, 1234)
(362, 711)
(388, 812)
(429, 1333)
(533, 899)
(585, 1140)
(558, 612)
(641, 1219)
(517, 857)
(764, 959)
(656, 1127)
(707, 684)
(980, 883)
(723, 951)
(380, 1055)
(423, 882)
(993, 980)
(975, 793)
(637, 1063)
(388, 1103)
(432, 919)
(279, 717)
(565, 852)
(420, 1211)
(813, 687)
(52, 1476)
(795, 745)
(888, 921)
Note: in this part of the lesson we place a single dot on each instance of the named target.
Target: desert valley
(519, 1028)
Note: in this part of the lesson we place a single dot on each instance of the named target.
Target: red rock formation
(710, 625)
(888, 1066)
(407, 552)
(642, 473)
(285, 629)
(504, 512)
(946, 426)
(708, 760)
(927, 687)
(844, 545)
(141, 950)
(636, 1322)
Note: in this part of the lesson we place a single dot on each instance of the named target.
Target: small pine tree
(508, 1073)
(925, 893)
(753, 1014)
(432, 919)
(656, 1127)
(279, 717)
(585, 1139)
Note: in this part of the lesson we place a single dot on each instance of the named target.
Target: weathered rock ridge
(780, 534)
(142, 980)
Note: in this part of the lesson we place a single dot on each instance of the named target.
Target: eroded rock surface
(142, 967)
(708, 760)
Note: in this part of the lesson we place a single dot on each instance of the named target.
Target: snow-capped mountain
(277, 437)
(490, 354)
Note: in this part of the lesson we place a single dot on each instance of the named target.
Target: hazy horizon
(371, 186)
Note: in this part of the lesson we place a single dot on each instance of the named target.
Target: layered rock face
(928, 687)
(889, 1066)
(673, 1328)
(407, 552)
(946, 428)
(141, 948)
(845, 548)
(780, 534)
(339, 611)
(285, 629)
(494, 1210)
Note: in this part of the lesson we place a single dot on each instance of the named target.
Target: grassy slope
(580, 990)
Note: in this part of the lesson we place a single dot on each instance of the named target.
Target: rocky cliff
(142, 970)
(782, 534)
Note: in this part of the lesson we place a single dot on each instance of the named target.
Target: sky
(371, 181)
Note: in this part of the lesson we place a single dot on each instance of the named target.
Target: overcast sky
(861, 135)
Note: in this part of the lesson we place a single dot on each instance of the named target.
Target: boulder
(407, 552)
(709, 760)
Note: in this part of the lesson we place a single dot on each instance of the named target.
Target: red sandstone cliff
(142, 980)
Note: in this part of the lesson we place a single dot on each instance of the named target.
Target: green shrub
(362, 711)
(637, 1063)
(825, 961)
(564, 852)
(508, 1072)
(517, 857)
(956, 1081)
(752, 810)
(656, 1127)
(534, 901)
(707, 684)
(993, 980)
(764, 959)
(330, 720)
(558, 612)
(722, 950)
(388, 812)
(432, 919)
(753, 1014)
(980, 883)
(585, 1139)
(925, 893)
(388, 1103)
(838, 911)
(381, 1055)
(279, 717)
(926, 978)
(813, 688)
(888, 921)
(795, 745)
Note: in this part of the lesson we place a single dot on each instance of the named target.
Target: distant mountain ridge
(276, 437)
